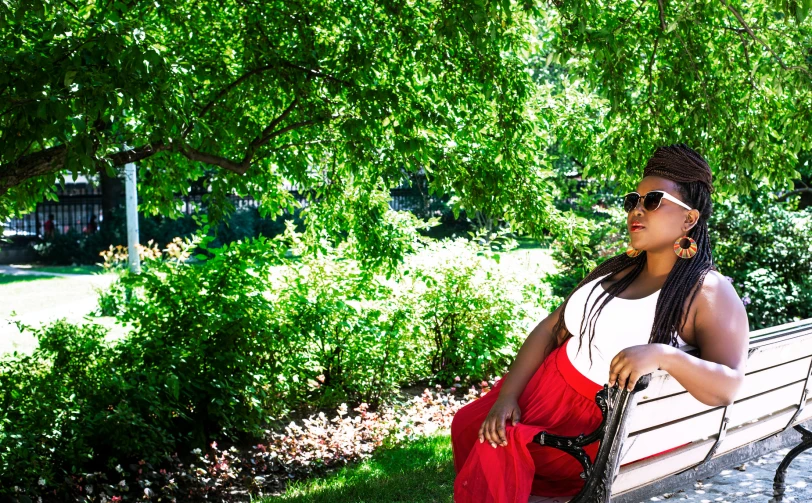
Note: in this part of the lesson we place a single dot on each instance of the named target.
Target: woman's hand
(636, 361)
(493, 428)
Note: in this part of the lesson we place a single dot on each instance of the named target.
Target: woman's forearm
(710, 383)
(534, 350)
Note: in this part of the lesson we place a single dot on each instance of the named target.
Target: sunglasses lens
(630, 201)
(652, 201)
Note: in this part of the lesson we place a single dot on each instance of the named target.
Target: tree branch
(747, 60)
(52, 159)
(315, 73)
(693, 65)
(625, 21)
(231, 86)
(662, 14)
(301, 144)
(764, 44)
(269, 130)
(138, 153)
(650, 66)
(30, 166)
(309, 71)
(215, 160)
(255, 71)
(786, 195)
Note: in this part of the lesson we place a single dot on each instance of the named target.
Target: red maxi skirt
(559, 400)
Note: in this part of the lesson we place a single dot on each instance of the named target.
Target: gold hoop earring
(687, 251)
(633, 252)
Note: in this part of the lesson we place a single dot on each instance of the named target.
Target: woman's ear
(691, 219)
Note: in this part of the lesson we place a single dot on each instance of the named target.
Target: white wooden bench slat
(764, 405)
(763, 357)
(706, 424)
(653, 413)
(643, 472)
(757, 335)
(661, 439)
(648, 470)
(805, 414)
(753, 432)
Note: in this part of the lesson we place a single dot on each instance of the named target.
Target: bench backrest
(665, 416)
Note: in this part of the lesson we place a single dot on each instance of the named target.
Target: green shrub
(64, 408)
(224, 346)
(593, 230)
(766, 247)
(71, 247)
(204, 336)
(356, 338)
(472, 316)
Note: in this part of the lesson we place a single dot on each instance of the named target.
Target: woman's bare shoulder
(716, 296)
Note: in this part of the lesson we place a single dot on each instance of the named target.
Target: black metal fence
(71, 212)
(78, 204)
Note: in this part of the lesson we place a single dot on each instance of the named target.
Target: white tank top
(622, 323)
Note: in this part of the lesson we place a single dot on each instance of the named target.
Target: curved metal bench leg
(779, 483)
(615, 405)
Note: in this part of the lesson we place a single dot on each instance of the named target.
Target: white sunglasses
(651, 201)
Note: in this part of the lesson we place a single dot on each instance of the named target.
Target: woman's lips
(636, 228)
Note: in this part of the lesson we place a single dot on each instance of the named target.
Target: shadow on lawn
(421, 472)
(19, 278)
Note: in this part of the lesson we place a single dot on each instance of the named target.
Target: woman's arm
(722, 336)
(539, 343)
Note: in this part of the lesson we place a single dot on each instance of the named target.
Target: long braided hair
(692, 175)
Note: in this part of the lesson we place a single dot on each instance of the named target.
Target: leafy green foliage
(594, 231)
(68, 404)
(350, 337)
(343, 99)
(766, 247)
(731, 80)
(470, 316)
(226, 344)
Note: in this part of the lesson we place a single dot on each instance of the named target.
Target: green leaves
(797, 10)
(350, 93)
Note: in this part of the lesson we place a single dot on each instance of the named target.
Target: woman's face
(661, 227)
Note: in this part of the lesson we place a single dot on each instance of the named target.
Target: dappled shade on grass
(420, 471)
(19, 278)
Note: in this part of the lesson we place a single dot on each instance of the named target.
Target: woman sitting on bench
(630, 313)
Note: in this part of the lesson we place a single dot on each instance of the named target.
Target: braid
(692, 174)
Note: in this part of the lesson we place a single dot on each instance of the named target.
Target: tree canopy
(344, 98)
(731, 79)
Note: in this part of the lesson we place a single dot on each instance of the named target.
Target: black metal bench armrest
(615, 405)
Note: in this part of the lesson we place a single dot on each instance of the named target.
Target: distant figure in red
(92, 226)
(624, 320)
(49, 227)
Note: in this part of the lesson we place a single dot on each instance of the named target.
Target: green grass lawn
(36, 299)
(421, 471)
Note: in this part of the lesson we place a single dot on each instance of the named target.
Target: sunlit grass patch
(420, 471)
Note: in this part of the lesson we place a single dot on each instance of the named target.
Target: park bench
(772, 411)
